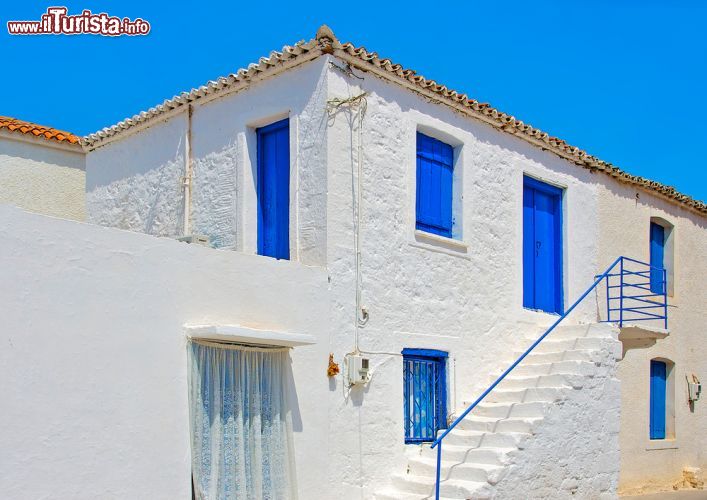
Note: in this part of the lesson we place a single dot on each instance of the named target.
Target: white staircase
(478, 452)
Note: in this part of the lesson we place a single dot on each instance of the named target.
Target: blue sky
(625, 80)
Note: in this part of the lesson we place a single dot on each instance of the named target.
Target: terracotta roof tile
(28, 128)
(326, 43)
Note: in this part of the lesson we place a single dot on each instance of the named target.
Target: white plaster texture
(136, 183)
(94, 362)
(42, 177)
(574, 451)
(462, 295)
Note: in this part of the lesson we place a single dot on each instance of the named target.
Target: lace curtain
(241, 434)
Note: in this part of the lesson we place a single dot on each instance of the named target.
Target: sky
(625, 80)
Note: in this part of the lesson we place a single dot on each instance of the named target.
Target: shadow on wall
(292, 399)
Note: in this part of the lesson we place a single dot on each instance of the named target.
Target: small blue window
(425, 394)
(435, 170)
(657, 399)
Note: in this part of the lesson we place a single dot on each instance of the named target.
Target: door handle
(538, 244)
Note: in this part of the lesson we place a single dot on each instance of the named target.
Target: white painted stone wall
(574, 451)
(624, 221)
(464, 297)
(135, 183)
(41, 176)
(93, 360)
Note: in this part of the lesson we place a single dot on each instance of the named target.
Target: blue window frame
(274, 189)
(659, 372)
(657, 258)
(425, 394)
(542, 246)
(435, 169)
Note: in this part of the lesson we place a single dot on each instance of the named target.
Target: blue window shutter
(274, 190)
(435, 172)
(657, 260)
(657, 399)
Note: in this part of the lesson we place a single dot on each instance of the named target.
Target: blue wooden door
(657, 251)
(274, 190)
(425, 394)
(657, 399)
(542, 246)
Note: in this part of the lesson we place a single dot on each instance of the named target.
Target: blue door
(274, 190)
(425, 394)
(657, 251)
(542, 246)
(657, 399)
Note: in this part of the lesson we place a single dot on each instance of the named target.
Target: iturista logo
(58, 21)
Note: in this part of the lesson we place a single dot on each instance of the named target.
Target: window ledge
(245, 335)
(435, 242)
(662, 444)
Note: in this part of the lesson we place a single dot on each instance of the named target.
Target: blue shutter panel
(657, 400)
(657, 251)
(434, 185)
(274, 190)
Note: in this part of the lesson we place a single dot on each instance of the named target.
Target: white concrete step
(515, 424)
(488, 456)
(530, 395)
(560, 355)
(583, 368)
(506, 410)
(558, 344)
(452, 488)
(453, 469)
(466, 439)
(544, 381)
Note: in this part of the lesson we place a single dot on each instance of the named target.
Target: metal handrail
(597, 279)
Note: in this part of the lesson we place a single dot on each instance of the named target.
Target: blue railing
(638, 292)
(631, 290)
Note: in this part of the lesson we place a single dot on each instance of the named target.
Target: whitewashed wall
(427, 293)
(624, 222)
(135, 183)
(463, 297)
(39, 175)
(93, 358)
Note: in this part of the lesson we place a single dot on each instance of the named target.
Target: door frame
(559, 239)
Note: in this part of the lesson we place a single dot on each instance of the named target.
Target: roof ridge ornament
(326, 39)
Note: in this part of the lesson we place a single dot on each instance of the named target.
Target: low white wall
(42, 177)
(93, 358)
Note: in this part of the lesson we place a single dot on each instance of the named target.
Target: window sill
(437, 243)
(662, 444)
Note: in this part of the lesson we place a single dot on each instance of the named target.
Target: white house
(421, 238)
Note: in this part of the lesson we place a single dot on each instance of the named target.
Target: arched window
(662, 399)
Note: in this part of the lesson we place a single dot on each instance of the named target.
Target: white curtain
(241, 433)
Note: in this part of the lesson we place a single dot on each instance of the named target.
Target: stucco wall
(574, 451)
(463, 297)
(93, 356)
(624, 222)
(41, 177)
(425, 293)
(135, 183)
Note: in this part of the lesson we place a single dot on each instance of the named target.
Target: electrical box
(196, 239)
(693, 391)
(357, 367)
